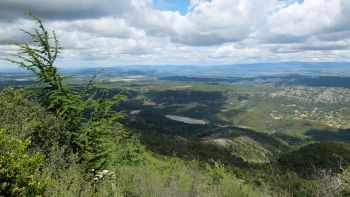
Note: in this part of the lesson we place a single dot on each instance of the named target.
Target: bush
(125, 149)
(29, 121)
(215, 174)
(71, 181)
(18, 169)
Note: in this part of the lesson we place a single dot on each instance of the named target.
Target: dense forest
(63, 140)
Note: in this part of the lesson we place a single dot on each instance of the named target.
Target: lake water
(186, 120)
(135, 112)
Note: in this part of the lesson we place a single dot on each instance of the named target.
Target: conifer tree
(87, 112)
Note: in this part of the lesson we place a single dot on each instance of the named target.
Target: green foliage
(29, 121)
(344, 178)
(215, 173)
(173, 177)
(310, 158)
(125, 149)
(170, 170)
(87, 114)
(71, 181)
(76, 129)
(137, 172)
(17, 168)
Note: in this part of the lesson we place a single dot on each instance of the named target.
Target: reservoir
(186, 120)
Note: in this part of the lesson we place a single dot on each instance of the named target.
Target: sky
(184, 32)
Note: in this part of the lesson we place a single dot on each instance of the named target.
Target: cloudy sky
(165, 32)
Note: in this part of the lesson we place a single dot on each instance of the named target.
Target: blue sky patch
(173, 5)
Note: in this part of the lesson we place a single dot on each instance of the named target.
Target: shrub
(29, 121)
(215, 173)
(18, 169)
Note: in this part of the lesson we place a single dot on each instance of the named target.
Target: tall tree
(87, 112)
